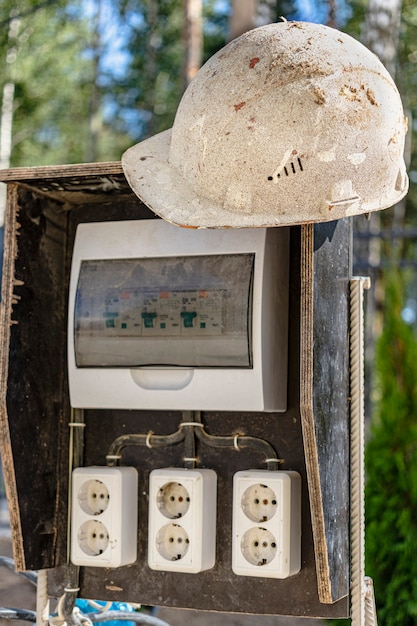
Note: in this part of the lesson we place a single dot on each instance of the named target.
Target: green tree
(391, 491)
(63, 108)
(154, 83)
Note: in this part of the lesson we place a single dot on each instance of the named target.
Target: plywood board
(44, 209)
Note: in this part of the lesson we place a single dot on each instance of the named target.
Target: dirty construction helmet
(290, 123)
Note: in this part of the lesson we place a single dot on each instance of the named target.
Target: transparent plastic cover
(185, 311)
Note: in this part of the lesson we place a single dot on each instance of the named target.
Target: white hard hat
(290, 123)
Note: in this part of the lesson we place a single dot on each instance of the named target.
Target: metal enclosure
(44, 207)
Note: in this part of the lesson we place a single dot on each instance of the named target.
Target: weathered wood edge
(6, 309)
(307, 414)
(20, 174)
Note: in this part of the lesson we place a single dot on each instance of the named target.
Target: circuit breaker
(162, 318)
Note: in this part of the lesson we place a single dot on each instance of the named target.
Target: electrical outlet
(104, 516)
(266, 523)
(182, 519)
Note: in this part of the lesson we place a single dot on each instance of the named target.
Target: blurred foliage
(391, 461)
(92, 78)
(46, 58)
(391, 464)
(406, 79)
(154, 81)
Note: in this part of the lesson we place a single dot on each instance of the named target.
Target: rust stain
(349, 92)
(239, 106)
(355, 95)
(253, 62)
(371, 96)
(319, 95)
(188, 226)
(252, 121)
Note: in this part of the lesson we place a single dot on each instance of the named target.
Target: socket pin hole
(93, 497)
(93, 538)
(258, 546)
(259, 503)
(172, 542)
(173, 500)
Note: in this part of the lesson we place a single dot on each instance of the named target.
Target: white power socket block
(104, 516)
(182, 519)
(266, 523)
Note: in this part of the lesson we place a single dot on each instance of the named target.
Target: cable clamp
(191, 424)
(76, 425)
(274, 460)
(148, 439)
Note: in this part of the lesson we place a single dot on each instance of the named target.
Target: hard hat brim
(166, 192)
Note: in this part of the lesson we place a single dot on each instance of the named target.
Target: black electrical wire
(187, 426)
(150, 440)
(17, 614)
(188, 429)
(238, 442)
(32, 577)
(69, 599)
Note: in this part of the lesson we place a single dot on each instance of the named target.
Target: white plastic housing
(266, 523)
(104, 516)
(259, 386)
(182, 520)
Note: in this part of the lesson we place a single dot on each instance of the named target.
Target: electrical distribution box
(192, 291)
(166, 318)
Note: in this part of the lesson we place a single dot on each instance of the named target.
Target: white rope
(363, 612)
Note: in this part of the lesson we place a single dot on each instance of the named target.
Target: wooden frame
(44, 207)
